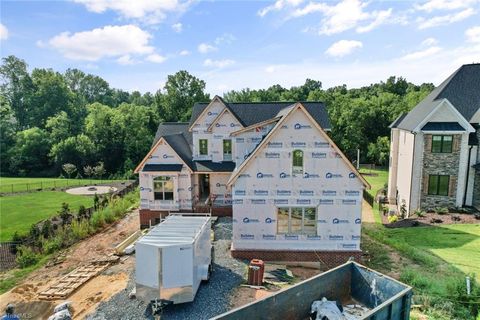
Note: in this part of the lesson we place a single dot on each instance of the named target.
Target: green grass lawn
(19, 212)
(28, 184)
(377, 181)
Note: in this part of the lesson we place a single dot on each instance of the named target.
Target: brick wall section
(442, 164)
(329, 258)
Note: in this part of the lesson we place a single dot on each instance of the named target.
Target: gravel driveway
(212, 298)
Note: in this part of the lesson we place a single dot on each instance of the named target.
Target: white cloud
(278, 5)
(156, 58)
(126, 60)
(421, 53)
(206, 48)
(473, 34)
(445, 19)
(226, 38)
(270, 69)
(184, 53)
(380, 18)
(177, 27)
(344, 15)
(433, 5)
(343, 47)
(109, 41)
(147, 11)
(429, 42)
(3, 32)
(218, 63)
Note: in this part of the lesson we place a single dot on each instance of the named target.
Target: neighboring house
(293, 193)
(434, 149)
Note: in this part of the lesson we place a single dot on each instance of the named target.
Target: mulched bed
(432, 219)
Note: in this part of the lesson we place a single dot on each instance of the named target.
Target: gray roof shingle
(163, 167)
(254, 112)
(462, 89)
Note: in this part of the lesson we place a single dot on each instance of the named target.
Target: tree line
(49, 119)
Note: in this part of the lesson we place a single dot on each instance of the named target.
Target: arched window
(163, 188)
(297, 161)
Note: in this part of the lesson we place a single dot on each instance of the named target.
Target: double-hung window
(297, 162)
(297, 220)
(203, 147)
(163, 188)
(227, 150)
(438, 185)
(442, 144)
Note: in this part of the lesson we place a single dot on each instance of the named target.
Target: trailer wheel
(209, 273)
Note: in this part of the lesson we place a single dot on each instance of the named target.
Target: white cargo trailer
(172, 259)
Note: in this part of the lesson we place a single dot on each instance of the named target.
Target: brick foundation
(329, 258)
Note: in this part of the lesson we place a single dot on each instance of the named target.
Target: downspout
(411, 173)
(468, 174)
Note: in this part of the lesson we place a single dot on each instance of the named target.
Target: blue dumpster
(382, 297)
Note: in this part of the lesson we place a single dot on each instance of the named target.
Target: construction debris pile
(333, 310)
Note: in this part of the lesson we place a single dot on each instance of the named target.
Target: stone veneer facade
(441, 164)
(476, 190)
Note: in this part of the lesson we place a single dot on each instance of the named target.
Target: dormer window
(203, 147)
(297, 162)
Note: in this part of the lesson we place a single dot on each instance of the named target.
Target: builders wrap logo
(248, 220)
(262, 175)
(246, 236)
(167, 156)
(220, 185)
(284, 193)
(304, 201)
(280, 201)
(240, 192)
(237, 201)
(340, 221)
(272, 155)
(299, 126)
(319, 155)
(257, 201)
(269, 220)
(240, 140)
(260, 192)
(219, 125)
(352, 175)
(291, 237)
(352, 193)
(330, 175)
(298, 144)
(284, 175)
(233, 125)
(308, 193)
(210, 113)
(325, 202)
(349, 201)
(275, 144)
(307, 175)
(329, 193)
(335, 237)
(321, 145)
(358, 221)
(269, 237)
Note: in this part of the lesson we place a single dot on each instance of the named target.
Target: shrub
(53, 244)
(47, 229)
(80, 229)
(82, 212)
(26, 257)
(108, 215)
(392, 219)
(97, 220)
(420, 213)
(441, 210)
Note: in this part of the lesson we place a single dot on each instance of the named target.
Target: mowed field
(19, 212)
(10, 185)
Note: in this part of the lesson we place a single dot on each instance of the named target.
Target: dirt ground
(87, 297)
(244, 295)
(432, 219)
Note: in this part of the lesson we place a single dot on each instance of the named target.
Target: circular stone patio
(91, 190)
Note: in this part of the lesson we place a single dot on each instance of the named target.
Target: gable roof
(285, 113)
(249, 113)
(217, 118)
(461, 89)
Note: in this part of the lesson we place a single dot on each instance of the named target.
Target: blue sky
(134, 45)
